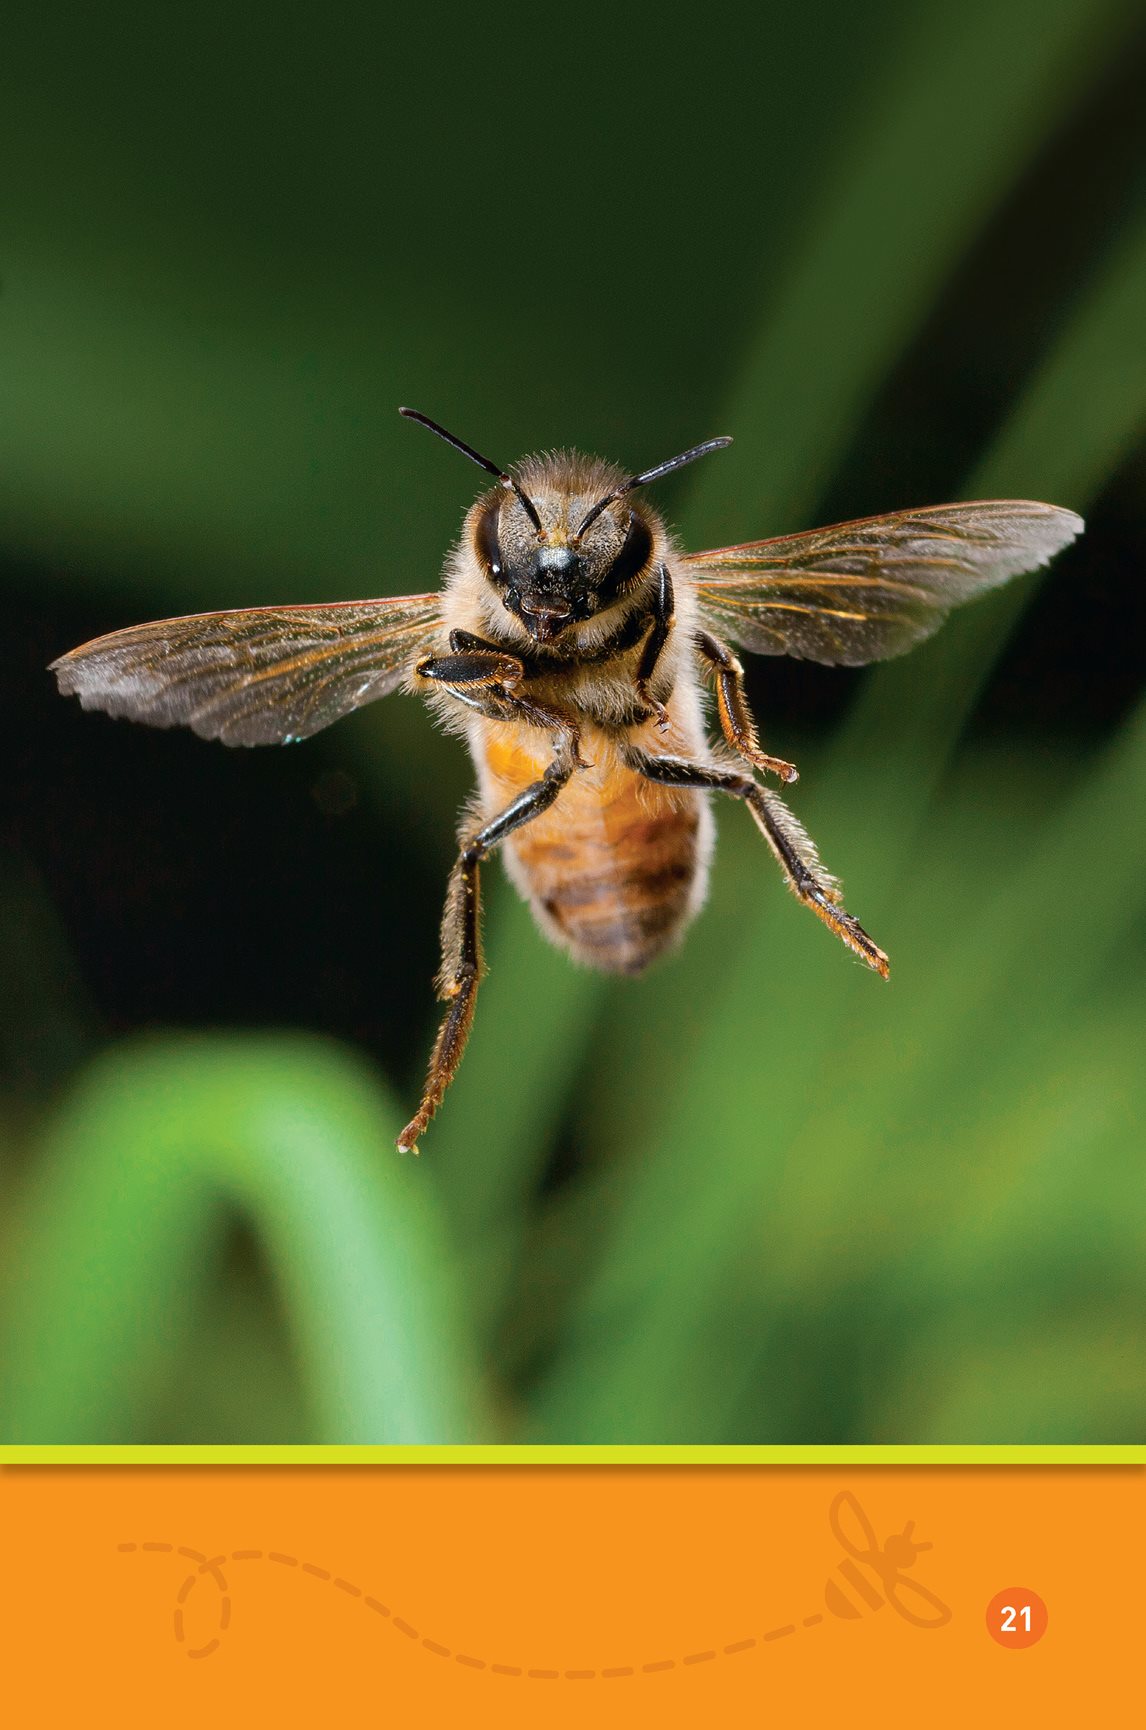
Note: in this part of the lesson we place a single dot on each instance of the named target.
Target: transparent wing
(259, 676)
(862, 591)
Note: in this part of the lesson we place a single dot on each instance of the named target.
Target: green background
(899, 252)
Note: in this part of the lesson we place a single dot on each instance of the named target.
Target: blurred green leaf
(116, 1238)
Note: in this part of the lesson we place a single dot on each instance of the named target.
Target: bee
(572, 645)
(885, 1563)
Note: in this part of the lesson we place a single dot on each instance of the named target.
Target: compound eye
(488, 547)
(633, 556)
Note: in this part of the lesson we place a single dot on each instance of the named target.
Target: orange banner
(234, 1595)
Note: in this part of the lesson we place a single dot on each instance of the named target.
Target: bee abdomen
(615, 880)
(619, 923)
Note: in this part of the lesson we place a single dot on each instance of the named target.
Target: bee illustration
(885, 1562)
(570, 646)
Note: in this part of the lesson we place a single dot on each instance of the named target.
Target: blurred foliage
(755, 1196)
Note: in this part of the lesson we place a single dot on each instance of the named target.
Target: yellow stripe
(612, 1455)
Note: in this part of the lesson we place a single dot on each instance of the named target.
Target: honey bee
(571, 645)
(885, 1563)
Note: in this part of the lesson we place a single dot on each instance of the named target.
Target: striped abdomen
(616, 868)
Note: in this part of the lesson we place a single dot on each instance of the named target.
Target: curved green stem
(113, 1242)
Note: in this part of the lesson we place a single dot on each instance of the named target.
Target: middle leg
(736, 721)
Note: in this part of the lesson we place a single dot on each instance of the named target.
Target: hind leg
(792, 848)
(461, 968)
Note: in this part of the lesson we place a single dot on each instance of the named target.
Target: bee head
(551, 566)
(558, 538)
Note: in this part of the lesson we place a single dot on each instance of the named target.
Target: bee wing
(937, 1612)
(861, 591)
(257, 676)
(846, 1512)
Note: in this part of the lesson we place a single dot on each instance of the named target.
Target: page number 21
(1016, 1618)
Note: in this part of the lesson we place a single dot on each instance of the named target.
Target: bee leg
(471, 669)
(655, 641)
(461, 968)
(486, 679)
(792, 846)
(463, 641)
(736, 720)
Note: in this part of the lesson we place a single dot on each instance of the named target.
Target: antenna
(653, 474)
(506, 480)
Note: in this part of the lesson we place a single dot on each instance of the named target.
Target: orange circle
(1016, 1618)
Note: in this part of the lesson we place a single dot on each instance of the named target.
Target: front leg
(487, 678)
(472, 666)
(663, 608)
